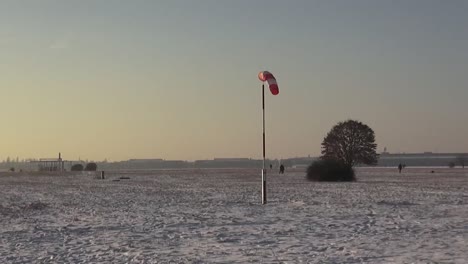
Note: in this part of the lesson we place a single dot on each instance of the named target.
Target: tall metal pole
(264, 199)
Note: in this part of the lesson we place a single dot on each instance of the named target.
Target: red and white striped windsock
(266, 76)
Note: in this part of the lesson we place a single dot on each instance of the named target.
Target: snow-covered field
(215, 216)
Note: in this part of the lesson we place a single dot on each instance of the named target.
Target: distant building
(417, 159)
(231, 159)
(51, 164)
(227, 163)
(144, 160)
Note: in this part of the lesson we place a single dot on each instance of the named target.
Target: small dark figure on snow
(281, 169)
(400, 167)
(271, 166)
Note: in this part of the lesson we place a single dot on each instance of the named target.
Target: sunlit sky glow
(178, 79)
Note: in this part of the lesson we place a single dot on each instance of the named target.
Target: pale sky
(178, 79)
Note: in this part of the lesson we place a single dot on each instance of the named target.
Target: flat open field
(215, 216)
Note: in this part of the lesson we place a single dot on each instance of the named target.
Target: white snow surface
(216, 216)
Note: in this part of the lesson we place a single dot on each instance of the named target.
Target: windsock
(266, 76)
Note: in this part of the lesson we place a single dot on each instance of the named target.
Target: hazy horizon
(178, 79)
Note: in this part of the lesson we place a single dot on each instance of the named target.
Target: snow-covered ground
(215, 216)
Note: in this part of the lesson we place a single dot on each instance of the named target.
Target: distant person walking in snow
(400, 167)
(271, 166)
(281, 169)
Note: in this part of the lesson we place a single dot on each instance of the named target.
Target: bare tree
(350, 142)
(462, 159)
(77, 167)
(91, 167)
